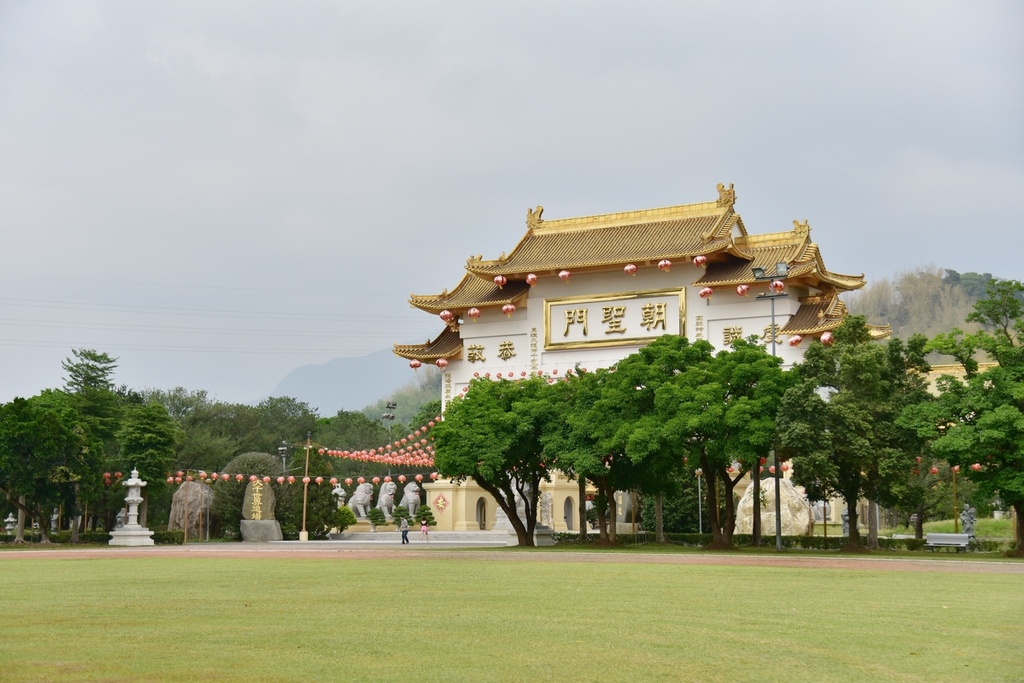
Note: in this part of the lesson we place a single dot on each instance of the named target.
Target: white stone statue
(546, 512)
(386, 499)
(795, 509)
(361, 500)
(339, 492)
(411, 498)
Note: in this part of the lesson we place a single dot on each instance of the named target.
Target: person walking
(404, 528)
(424, 531)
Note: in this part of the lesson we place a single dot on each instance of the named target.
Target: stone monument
(190, 505)
(258, 524)
(132, 534)
(386, 499)
(361, 499)
(795, 509)
(967, 518)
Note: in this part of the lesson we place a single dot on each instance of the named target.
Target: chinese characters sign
(613, 320)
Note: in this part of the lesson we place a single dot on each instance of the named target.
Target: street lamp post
(282, 452)
(700, 515)
(775, 291)
(304, 535)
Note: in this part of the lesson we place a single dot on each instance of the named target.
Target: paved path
(420, 550)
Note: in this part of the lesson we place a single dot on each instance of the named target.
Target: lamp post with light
(700, 515)
(776, 290)
(304, 535)
(282, 452)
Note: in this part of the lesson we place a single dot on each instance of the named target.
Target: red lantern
(706, 293)
(531, 279)
(827, 339)
(473, 313)
(795, 340)
(170, 480)
(280, 480)
(305, 480)
(433, 476)
(360, 480)
(225, 477)
(976, 467)
(253, 477)
(956, 468)
(442, 363)
(376, 480)
(177, 480)
(764, 460)
(934, 470)
(387, 479)
(500, 280)
(415, 364)
(319, 480)
(700, 261)
(771, 469)
(777, 286)
(348, 482)
(266, 480)
(239, 477)
(785, 467)
(630, 269)
(117, 475)
(419, 477)
(508, 310)
(742, 290)
(180, 473)
(564, 275)
(202, 475)
(664, 265)
(334, 481)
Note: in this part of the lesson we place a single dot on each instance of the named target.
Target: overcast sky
(217, 193)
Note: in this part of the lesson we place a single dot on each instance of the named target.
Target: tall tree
(494, 435)
(44, 453)
(839, 423)
(979, 424)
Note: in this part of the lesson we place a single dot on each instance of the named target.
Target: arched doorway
(568, 513)
(481, 514)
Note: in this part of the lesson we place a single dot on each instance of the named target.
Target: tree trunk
(919, 523)
(613, 512)
(755, 478)
(1017, 509)
(853, 538)
(714, 518)
(583, 508)
(19, 536)
(659, 518)
(872, 525)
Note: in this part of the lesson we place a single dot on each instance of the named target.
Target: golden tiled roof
(823, 313)
(448, 345)
(471, 291)
(641, 237)
(817, 314)
(794, 248)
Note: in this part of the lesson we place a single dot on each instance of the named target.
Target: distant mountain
(346, 383)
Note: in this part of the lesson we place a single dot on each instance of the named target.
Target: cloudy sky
(217, 193)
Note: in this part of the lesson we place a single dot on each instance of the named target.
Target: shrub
(168, 537)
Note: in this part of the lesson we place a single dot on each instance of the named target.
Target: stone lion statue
(361, 499)
(386, 498)
(411, 498)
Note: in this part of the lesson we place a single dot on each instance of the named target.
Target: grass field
(429, 617)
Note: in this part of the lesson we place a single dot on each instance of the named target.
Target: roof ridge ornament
(802, 228)
(533, 219)
(726, 195)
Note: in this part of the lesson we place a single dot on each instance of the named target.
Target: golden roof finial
(726, 195)
(802, 228)
(533, 217)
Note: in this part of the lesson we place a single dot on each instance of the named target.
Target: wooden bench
(958, 541)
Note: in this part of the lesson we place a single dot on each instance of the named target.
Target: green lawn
(347, 618)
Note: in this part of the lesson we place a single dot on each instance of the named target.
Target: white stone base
(131, 536)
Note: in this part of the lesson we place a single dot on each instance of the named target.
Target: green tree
(979, 422)
(45, 452)
(850, 443)
(494, 435)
